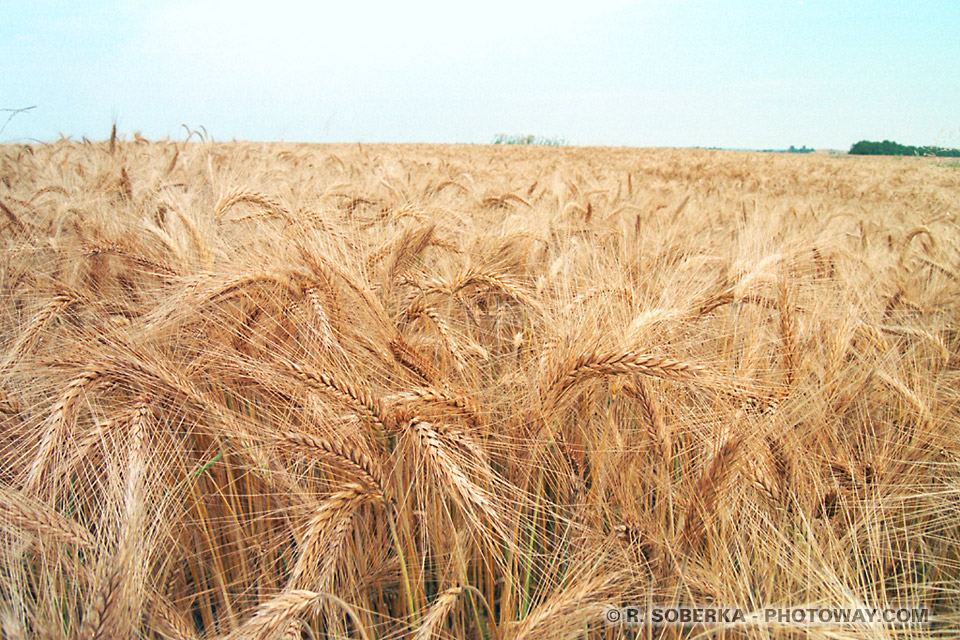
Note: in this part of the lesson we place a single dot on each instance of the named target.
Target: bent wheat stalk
(59, 423)
(475, 502)
(433, 621)
(273, 616)
(361, 399)
(610, 363)
(341, 454)
(325, 537)
(30, 334)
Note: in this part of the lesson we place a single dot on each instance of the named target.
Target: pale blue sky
(757, 74)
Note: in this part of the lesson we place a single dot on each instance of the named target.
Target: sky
(646, 73)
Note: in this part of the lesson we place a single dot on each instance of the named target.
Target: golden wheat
(277, 390)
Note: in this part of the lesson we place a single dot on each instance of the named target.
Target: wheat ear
(564, 614)
(167, 620)
(653, 417)
(100, 619)
(60, 421)
(324, 330)
(707, 490)
(347, 457)
(325, 537)
(14, 220)
(433, 620)
(494, 280)
(476, 503)
(31, 333)
(441, 397)
(412, 359)
(420, 309)
(600, 363)
(24, 514)
(361, 399)
(8, 405)
(203, 253)
(147, 264)
(274, 616)
(237, 196)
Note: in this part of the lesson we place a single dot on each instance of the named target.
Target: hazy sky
(757, 74)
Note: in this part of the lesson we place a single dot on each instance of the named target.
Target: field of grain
(384, 391)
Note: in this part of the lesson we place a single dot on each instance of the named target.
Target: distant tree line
(890, 148)
(506, 138)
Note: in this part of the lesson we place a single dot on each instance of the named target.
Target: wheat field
(412, 391)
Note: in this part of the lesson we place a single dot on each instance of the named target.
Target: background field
(471, 391)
